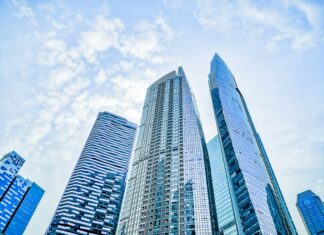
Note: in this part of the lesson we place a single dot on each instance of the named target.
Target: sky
(61, 62)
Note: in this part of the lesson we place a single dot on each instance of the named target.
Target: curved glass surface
(311, 208)
(227, 222)
(256, 195)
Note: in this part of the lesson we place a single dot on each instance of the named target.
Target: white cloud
(300, 23)
(148, 40)
(55, 52)
(132, 87)
(104, 34)
(65, 76)
(101, 77)
(76, 78)
(24, 11)
(38, 133)
(57, 78)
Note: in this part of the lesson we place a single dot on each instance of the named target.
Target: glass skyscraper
(92, 199)
(228, 217)
(10, 164)
(19, 197)
(311, 209)
(256, 193)
(169, 190)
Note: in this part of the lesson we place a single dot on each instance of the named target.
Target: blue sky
(61, 62)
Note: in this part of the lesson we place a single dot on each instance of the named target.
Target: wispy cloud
(105, 64)
(66, 70)
(24, 11)
(148, 40)
(296, 23)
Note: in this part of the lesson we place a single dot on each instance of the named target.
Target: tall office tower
(19, 197)
(10, 164)
(169, 188)
(311, 209)
(260, 203)
(92, 199)
(228, 218)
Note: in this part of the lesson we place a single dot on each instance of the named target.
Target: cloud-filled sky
(61, 62)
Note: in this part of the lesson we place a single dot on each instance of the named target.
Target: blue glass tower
(93, 197)
(228, 217)
(10, 164)
(256, 192)
(311, 209)
(25, 210)
(169, 190)
(19, 198)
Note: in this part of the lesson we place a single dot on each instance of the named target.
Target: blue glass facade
(311, 209)
(228, 219)
(9, 167)
(169, 190)
(278, 196)
(10, 201)
(259, 200)
(18, 200)
(93, 197)
(25, 210)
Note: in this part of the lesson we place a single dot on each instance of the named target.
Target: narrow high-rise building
(256, 195)
(92, 199)
(311, 209)
(228, 217)
(10, 164)
(19, 197)
(169, 189)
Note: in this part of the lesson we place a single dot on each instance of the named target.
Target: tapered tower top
(219, 69)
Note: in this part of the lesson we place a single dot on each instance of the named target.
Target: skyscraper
(19, 197)
(228, 217)
(169, 189)
(311, 209)
(256, 192)
(92, 199)
(10, 164)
